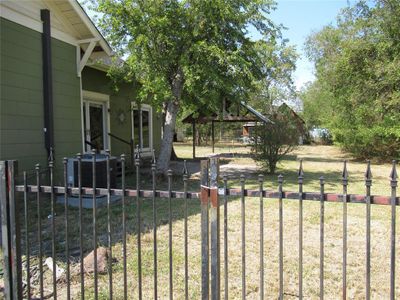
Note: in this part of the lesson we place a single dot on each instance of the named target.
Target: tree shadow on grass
(311, 179)
(251, 173)
(311, 182)
(115, 213)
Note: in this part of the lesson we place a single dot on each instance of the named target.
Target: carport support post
(11, 241)
(212, 136)
(215, 228)
(205, 292)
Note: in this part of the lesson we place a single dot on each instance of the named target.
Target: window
(142, 127)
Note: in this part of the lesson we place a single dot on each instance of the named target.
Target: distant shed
(248, 128)
(250, 115)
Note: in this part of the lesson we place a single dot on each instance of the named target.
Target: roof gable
(69, 22)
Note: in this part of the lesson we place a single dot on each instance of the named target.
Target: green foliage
(357, 91)
(206, 43)
(277, 86)
(273, 141)
(189, 53)
(317, 107)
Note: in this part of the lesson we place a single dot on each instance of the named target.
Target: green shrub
(273, 141)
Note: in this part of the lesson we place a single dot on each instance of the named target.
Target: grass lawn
(318, 160)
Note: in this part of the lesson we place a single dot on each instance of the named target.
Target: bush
(274, 141)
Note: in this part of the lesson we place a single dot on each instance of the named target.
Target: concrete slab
(87, 201)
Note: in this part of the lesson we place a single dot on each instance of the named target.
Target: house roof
(69, 21)
(86, 23)
(228, 117)
(256, 113)
(291, 110)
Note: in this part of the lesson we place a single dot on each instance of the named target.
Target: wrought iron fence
(211, 194)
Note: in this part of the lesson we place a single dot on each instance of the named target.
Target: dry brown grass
(317, 160)
(333, 253)
(324, 160)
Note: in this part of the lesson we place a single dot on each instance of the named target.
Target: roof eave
(93, 29)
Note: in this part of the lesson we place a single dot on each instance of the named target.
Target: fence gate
(213, 195)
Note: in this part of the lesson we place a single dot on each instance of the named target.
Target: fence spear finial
(242, 178)
(153, 159)
(169, 173)
(300, 173)
(137, 152)
(260, 178)
(368, 174)
(185, 170)
(393, 174)
(137, 155)
(224, 178)
(345, 174)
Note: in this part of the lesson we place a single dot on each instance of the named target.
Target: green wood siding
(21, 101)
(96, 81)
(21, 109)
(66, 101)
(21, 105)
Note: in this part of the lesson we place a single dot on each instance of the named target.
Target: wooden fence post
(11, 241)
(204, 230)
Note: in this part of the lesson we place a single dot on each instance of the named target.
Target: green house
(56, 99)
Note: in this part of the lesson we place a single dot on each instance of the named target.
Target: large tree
(277, 86)
(356, 94)
(188, 53)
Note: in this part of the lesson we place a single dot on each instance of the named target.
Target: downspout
(47, 84)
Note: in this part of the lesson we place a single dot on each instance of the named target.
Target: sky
(302, 17)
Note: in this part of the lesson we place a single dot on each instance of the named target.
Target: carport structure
(250, 115)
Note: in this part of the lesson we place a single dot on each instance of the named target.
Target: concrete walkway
(228, 168)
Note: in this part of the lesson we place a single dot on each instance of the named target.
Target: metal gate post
(16, 264)
(205, 293)
(11, 241)
(215, 240)
(5, 229)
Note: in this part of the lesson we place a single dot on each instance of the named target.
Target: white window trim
(97, 98)
(146, 107)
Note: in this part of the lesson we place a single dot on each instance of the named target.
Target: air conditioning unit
(87, 171)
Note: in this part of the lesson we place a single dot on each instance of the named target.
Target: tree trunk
(171, 108)
(168, 135)
(198, 136)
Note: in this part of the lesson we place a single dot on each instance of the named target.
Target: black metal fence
(211, 194)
